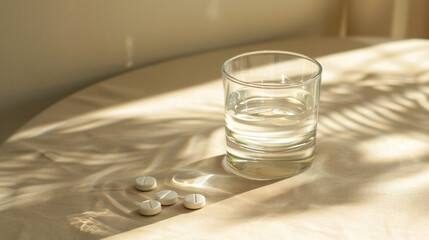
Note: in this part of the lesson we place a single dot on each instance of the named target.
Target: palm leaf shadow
(351, 113)
(101, 157)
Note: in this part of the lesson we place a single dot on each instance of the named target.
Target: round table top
(69, 173)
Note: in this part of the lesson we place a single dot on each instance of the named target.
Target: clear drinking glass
(271, 104)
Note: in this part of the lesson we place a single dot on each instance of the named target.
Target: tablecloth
(69, 173)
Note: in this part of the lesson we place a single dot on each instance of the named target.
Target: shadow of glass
(117, 206)
(207, 177)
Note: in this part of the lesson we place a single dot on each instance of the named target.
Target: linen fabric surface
(70, 172)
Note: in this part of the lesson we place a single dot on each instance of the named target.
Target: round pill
(145, 183)
(149, 207)
(195, 201)
(167, 197)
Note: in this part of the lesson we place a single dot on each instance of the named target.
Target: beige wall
(369, 17)
(418, 19)
(51, 48)
(388, 18)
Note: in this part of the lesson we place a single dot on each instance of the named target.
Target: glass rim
(262, 85)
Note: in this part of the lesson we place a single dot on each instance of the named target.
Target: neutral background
(50, 49)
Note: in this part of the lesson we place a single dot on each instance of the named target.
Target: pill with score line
(149, 207)
(194, 201)
(145, 183)
(166, 197)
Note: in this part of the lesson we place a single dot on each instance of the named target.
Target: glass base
(265, 169)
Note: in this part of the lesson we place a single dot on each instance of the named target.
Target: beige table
(68, 174)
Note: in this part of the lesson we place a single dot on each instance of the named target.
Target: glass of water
(271, 104)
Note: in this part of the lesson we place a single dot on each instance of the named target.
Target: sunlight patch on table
(395, 147)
